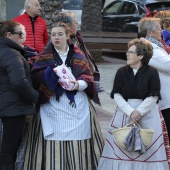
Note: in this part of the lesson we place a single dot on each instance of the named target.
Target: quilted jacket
(16, 92)
(39, 38)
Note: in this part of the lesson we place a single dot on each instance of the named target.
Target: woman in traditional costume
(136, 91)
(68, 135)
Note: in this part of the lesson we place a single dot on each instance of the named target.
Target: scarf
(133, 141)
(30, 51)
(50, 81)
(46, 81)
(31, 54)
(77, 39)
(155, 41)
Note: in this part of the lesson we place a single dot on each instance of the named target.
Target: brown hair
(143, 47)
(63, 25)
(8, 26)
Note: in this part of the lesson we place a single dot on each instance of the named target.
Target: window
(141, 10)
(72, 4)
(128, 8)
(158, 6)
(112, 9)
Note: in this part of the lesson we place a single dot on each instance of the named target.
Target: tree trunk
(92, 22)
(50, 8)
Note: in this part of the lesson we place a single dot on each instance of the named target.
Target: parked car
(123, 15)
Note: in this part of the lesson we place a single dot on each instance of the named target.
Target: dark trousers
(12, 133)
(166, 115)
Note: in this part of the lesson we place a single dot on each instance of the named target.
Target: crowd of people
(47, 85)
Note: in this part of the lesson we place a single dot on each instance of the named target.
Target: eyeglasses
(21, 34)
(130, 52)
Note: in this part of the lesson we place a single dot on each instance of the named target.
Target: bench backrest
(115, 41)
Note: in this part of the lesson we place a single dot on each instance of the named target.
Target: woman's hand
(76, 85)
(135, 117)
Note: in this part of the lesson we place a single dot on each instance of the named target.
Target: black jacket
(16, 92)
(144, 84)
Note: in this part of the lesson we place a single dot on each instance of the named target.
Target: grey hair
(27, 3)
(146, 24)
(65, 18)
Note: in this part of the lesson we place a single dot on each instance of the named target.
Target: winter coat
(37, 39)
(161, 61)
(16, 92)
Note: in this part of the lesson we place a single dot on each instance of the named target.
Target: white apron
(61, 121)
(115, 158)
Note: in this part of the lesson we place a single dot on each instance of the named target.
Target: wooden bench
(115, 41)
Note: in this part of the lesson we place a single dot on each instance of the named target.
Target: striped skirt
(166, 138)
(43, 154)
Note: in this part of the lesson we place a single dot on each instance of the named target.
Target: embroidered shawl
(46, 81)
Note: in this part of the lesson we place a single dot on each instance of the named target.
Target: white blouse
(61, 121)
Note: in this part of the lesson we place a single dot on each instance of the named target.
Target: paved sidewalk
(107, 73)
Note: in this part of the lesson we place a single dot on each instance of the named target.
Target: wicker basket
(121, 133)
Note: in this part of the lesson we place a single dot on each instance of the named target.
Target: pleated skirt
(44, 154)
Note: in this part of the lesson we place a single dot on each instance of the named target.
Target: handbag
(121, 133)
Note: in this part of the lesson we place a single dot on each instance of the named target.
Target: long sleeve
(160, 59)
(20, 81)
(147, 105)
(123, 105)
(82, 85)
(143, 108)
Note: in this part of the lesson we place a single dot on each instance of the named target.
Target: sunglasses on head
(19, 33)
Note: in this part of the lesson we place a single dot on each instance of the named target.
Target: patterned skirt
(44, 154)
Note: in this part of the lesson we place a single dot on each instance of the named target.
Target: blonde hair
(164, 17)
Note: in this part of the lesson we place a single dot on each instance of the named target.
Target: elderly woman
(151, 30)
(136, 91)
(17, 95)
